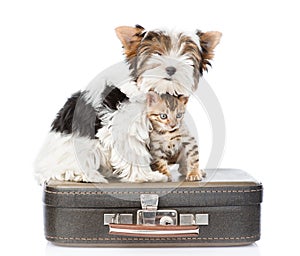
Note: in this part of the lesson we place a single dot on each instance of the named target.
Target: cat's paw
(195, 175)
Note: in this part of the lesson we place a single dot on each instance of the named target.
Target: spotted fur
(103, 127)
(170, 140)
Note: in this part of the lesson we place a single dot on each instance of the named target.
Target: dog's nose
(170, 70)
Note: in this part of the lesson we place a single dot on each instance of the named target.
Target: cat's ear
(183, 99)
(152, 98)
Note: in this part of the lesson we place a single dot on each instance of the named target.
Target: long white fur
(122, 144)
(69, 158)
(182, 81)
(129, 131)
(116, 75)
(121, 147)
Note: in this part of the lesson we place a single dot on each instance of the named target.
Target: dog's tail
(78, 117)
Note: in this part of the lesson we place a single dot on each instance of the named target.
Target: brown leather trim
(175, 231)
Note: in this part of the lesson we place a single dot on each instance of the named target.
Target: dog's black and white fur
(103, 131)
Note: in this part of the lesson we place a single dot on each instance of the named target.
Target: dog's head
(167, 62)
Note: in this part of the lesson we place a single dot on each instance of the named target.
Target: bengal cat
(170, 140)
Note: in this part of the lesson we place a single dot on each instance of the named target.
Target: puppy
(103, 131)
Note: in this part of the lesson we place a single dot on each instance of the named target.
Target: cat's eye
(163, 116)
(179, 115)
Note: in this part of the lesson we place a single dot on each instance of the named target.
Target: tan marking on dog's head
(130, 38)
(156, 43)
(152, 54)
(208, 42)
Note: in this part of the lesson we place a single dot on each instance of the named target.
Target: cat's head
(165, 111)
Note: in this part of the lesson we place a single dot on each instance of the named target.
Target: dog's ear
(208, 42)
(130, 38)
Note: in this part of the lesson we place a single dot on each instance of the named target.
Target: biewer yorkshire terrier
(103, 131)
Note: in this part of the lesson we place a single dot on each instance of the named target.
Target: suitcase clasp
(149, 202)
(150, 215)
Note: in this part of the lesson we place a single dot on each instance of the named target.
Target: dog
(103, 131)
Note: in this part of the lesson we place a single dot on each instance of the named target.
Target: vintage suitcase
(221, 210)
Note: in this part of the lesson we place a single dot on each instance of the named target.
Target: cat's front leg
(161, 166)
(193, 171)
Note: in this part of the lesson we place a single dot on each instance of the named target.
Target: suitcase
(221, 210)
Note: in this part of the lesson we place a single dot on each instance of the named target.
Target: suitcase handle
(153, 231)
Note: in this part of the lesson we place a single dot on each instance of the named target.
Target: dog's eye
(157, 53)
(190, 62)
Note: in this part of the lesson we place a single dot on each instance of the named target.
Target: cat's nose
(170, 70)
(172, 125)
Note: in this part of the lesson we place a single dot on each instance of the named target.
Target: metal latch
(150, 215)
(118, 218)
(200, 219)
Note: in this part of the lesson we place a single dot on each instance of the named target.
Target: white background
(50, 49)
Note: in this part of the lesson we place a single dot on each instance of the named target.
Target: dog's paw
(194, 175)
(94, 176)
(158, 177)
(149, 176)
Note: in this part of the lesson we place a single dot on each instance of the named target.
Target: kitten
(170, 141)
